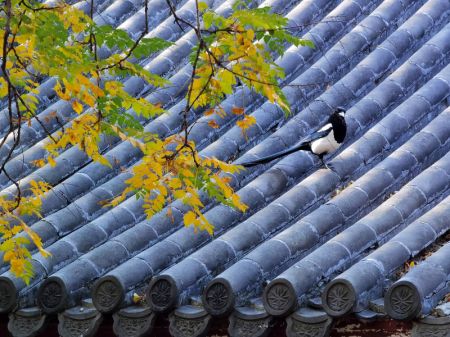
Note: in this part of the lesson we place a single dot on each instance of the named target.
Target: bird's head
(338, 114)
(340, 111)
(337, 120)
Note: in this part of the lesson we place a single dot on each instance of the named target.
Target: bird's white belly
(324, 145)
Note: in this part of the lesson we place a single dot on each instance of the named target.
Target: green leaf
(208, 19)
(148, 46)
(112, 37)
(307, 43)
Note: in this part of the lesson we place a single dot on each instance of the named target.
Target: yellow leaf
(16, 230)
(202, 6)
(246, 122)
(238, 203)
(113, 87)
(189, 218)
(169, 214)
(77, 107)
(60, 92)
(88, 98)
(51, 161)
(3, 87)
(136, 298)
(250, 34)
(237, 111)
(8, 255)
(17, 266)
(209, 112)
(213, 124)
(38, 162)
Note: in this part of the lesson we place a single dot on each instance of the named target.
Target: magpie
(322, 142)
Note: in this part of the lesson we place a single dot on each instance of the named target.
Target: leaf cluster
(13, 245)
(239, 49)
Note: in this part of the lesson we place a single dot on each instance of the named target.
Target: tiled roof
(318, 242)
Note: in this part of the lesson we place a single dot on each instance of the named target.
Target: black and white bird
(322, 142)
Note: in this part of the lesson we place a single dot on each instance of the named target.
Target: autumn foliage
(61, 43)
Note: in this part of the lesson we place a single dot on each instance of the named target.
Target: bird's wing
(297, 147)
(316, 135)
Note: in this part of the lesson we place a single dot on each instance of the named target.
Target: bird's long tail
(306, 146)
